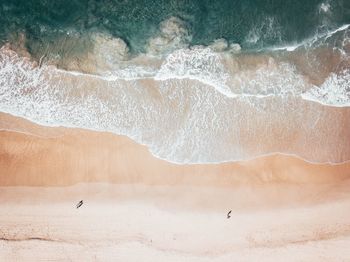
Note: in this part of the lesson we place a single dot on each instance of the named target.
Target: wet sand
(139, 208)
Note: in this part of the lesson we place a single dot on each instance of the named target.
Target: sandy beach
(174, 131)
(140, 208)
(156, 223)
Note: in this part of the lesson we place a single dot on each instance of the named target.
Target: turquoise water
(253, 24)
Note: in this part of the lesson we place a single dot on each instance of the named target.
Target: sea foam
(189, 104)
(179, 112)
(335, 91)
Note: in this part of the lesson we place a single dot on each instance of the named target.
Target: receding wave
(195, 104)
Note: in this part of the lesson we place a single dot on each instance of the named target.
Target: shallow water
(276, 81)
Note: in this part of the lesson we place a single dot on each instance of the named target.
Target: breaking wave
(194, 104)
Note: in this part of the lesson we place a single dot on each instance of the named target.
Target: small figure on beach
(80, 203)
(228, 214)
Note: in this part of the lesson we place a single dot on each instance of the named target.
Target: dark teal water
(251, 23)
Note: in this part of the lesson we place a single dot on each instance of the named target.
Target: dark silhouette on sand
(80, 203)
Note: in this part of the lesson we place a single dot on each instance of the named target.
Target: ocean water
(251, 23)
(195, 81)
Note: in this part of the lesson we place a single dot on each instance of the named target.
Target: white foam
(197, 63)
(268, 27)
(335, 91)
(324, 7)
(199, 107)
(312, 40)
(215, 70)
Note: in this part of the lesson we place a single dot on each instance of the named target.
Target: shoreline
(137, 206)
(194, 131)
(89, 156)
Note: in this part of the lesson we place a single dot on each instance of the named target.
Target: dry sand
(139, 208)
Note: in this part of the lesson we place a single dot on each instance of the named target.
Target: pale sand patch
(155, 223)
